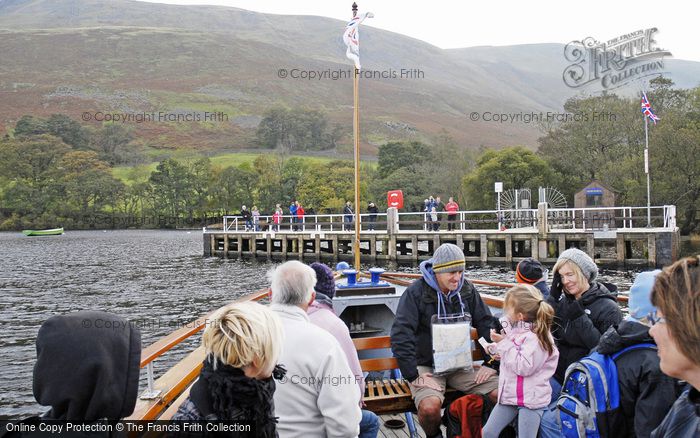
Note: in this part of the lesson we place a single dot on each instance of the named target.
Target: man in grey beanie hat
(443, 284)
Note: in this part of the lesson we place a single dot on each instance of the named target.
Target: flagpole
(646, 168)
(356, 135)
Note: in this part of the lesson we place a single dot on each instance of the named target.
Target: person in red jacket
(300, 215)
(452, 208)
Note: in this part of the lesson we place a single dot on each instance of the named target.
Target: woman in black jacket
(243, 343)
(676, 331)
(583, 308)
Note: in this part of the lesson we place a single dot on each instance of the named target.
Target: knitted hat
(582, 260)
(529, 271)
(448, 258)
(325, 283)
(640, 294)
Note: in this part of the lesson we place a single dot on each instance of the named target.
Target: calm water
(158, 278)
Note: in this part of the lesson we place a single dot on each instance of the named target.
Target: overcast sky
(455, 23)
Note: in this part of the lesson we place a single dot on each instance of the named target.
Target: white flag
(351, 37)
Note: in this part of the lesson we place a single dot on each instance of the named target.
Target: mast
(356, 136)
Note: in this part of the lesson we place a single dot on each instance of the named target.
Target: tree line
(54, 172)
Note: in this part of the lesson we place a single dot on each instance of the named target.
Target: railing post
(150, 393)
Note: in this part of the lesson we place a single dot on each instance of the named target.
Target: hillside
(122, 56)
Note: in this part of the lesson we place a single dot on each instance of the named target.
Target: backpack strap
(646, 345)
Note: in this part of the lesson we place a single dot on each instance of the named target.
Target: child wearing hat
(530, 271)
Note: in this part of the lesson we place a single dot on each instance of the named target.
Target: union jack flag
(646, 109)
(351, 37)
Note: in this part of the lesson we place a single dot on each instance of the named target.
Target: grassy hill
(89, 56)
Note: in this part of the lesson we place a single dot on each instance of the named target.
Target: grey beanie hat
(582, 260)
(448, 258)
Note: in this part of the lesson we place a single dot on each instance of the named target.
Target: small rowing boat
(51, 232)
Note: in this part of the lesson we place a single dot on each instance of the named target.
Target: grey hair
(292, 283)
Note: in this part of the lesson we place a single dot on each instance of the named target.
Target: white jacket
(318, 397)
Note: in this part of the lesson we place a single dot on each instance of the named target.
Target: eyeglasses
(654, 319)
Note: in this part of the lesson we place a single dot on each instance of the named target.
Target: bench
(393, 396)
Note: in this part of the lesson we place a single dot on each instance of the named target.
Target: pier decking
(610, 235)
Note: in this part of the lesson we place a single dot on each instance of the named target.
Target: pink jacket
(323, 316)
(526, 368)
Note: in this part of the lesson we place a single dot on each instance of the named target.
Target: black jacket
(684, 418)
(646, 394)
(411, 335)
(576, 337)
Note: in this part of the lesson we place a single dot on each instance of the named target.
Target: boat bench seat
(393, 396)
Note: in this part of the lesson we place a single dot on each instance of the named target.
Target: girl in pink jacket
(528, 359)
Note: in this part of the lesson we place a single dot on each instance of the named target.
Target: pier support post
(651, 250)
(484, 244)
(226, 245)
(392, 220)
(542, 225)
(620, 248)
(590, 246)
(317, 246)
(284, 246)
(239, 241)
(509, 248)
(535, 248)
(414, 251)
(373, 248)
(460, 242)
(300, 245)
(334, 246)
(268, 246)
(562, 244)
(391, 248)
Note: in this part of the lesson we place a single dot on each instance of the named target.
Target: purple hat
(325, 283)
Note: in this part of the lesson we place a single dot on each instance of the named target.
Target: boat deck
(401, 433)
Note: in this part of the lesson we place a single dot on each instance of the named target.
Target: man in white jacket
(318, 396)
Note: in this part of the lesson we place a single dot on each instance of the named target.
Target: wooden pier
(540, 234)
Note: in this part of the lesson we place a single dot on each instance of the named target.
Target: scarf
(226, 393)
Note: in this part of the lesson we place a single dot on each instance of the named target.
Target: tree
(170, 188)
(59, 125)
(235, 186)
(86, 183)
(297, 129)
(396, 155)
(516, 167)
(112, 141)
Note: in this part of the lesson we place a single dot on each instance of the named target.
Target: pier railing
(578, 219)
(611, 218)
(306, 223)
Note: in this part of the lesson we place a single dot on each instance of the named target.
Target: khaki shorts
(459, 380)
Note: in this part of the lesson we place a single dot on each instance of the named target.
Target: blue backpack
(589, 404)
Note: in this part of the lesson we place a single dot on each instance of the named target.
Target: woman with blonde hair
(676, 330)
(584, 309)
(528, 360)
(242, 342)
